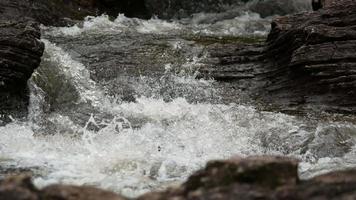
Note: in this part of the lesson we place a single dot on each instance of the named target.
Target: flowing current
(116, 104)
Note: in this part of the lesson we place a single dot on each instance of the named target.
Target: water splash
(242, 24)
(78, 134)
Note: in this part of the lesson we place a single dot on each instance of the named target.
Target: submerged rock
(267, 177)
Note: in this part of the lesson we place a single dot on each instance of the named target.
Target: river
(116, 103)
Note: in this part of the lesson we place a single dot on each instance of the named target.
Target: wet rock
(307, 63)
(18, 188)
(334, 185)
(258, 177)
(22, 188)
(20, 54)
(63, 12)
(63, 192)
(279, 7)
(48, 12)
(253, 170)
(313, 56)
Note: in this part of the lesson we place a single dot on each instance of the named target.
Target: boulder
(18, 188)
(64, 192)
(264, 171)
(20, 54)
(22, 188)
(313, 59)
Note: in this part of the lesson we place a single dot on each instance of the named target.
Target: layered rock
(20, 54)
(308, 61)
(267, 178)
(313, 59)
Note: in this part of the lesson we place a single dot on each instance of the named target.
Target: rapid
(116, 103)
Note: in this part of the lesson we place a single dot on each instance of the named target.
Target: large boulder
(313, 56)
(20, 54)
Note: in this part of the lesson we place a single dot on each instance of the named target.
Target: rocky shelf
(307, 63)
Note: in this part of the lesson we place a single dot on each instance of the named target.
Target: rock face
(270, 178)
(308, 61)
(60, 12)
(20, 54)
(279, 7)
(314, 59)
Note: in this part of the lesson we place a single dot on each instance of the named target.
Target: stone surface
(307, 63)
(20, 54)
(63, 192)
(313, 56)
(18, 188)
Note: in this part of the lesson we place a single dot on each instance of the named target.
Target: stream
(116, 103)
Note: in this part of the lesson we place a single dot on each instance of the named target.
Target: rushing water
(116, 104)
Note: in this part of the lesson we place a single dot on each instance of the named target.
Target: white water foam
(173, 139)
(245, 24)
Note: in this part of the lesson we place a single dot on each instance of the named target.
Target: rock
(20, 54)
(62, 12)
(253, 170)
(313, 56)
(307, 63)
(334, 185)
(279, 7)
(18, 188)
(63, 192)
(257, 177)
(21, 188)
(48, 12)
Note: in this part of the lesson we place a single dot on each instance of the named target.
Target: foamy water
(82, 136)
